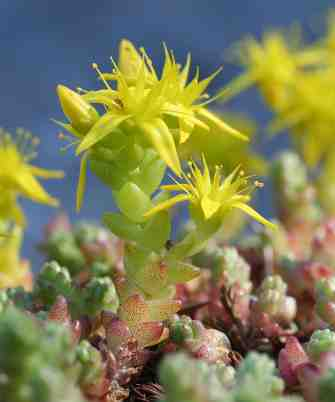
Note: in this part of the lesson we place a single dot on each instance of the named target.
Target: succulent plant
(273, 300)
(36, 360)
(209, 344)
(325, 297)
(321, 341)
(185, 379)
(193, 381)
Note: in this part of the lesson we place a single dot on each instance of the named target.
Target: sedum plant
(192, 381)
(125, 312)
(129, 146)
(36, 362)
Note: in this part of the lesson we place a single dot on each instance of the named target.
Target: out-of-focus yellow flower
(212, 196)
(310, 115)
(298, 83)
(18, 177)
(13, 271)
(273, 65)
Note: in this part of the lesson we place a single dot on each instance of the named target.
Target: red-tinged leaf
(134, 311)
(152, 278)
(117, 331)
(292, 356)
(148, 333)
(125, 289)
(59, 311)
(159, 310)
(181, 272)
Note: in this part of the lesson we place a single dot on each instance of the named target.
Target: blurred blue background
(45, 42)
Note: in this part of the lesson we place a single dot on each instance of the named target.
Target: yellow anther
(259, 184)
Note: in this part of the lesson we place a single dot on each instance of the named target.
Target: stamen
(97, 69)
(62, 137)
(35, 141)
(81, 90)
(258, 184)
(71, 144)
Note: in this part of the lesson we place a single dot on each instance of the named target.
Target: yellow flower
(13, 271)
(310, 115)
(212, 196)
(18, 177)
(273, 64)
(147, 106)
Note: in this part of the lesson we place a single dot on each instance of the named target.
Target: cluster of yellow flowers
(298, 83)
(162, 112)
(144, 122)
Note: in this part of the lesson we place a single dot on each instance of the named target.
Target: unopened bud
(80, 113)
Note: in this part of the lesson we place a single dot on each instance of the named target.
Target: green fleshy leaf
(156, 232)
(133, 202)
(121, 226)
(180, 272)
(150, 173)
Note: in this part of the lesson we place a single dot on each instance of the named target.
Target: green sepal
(103, 127)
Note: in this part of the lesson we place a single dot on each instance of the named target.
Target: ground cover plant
(123, 311)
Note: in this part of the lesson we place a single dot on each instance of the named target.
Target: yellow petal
(221, 124)
(18, 216)
(129, 59)
(167, 204)
(237, 86)
(103, 127)
(162, 140)
(32, 189)
(250, 211)
(81, 182)
(176, 187)
(46, 174)
(209, 207)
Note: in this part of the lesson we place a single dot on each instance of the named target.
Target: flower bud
(80, 113)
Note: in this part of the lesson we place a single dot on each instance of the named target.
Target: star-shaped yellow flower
(212, 196)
